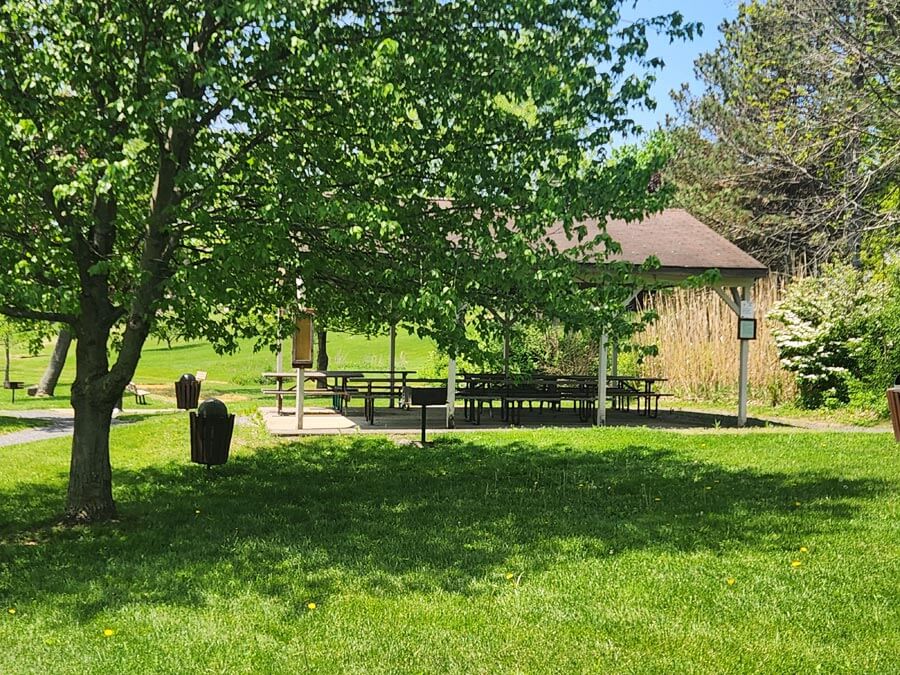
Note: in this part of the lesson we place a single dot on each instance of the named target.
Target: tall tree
(50, 378)
(195, 158)
(793, 145)
(6, 337)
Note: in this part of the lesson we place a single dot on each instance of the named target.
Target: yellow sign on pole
(302, 355)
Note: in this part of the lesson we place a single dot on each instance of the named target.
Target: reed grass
(699, 351)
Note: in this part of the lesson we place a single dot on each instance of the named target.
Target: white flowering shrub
(824, 329)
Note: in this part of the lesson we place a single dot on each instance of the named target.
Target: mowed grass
(11, 424)
(529, 551)
(233, 376)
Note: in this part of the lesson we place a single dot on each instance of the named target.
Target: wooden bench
(140, 395)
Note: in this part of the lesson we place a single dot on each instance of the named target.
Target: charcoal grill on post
(426, 396)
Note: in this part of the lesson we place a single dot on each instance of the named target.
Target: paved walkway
(53, 423)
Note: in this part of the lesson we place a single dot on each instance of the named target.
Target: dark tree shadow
(398, 519)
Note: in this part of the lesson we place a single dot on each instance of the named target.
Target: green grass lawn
(10, 424)
(529, 551)
(235, 376)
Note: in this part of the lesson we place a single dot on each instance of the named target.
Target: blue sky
(678, 56)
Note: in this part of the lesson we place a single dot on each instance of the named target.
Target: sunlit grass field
(529, 551)
(236, 376)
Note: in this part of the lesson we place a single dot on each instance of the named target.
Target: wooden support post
(601, 382)
(614, 360)
(733, 299)
(299, 397)
(451, 394)
(506, 351)
(744, 374)
(279, 355)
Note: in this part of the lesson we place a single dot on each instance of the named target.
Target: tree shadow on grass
(309, 519)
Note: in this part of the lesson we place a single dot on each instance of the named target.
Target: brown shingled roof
(682, 244)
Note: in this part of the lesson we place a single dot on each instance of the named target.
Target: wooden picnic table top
(308, 374)
(493, 378)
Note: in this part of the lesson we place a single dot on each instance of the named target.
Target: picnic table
(284, 378)
(372, 388)
(552, 390)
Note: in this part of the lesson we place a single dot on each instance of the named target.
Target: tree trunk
(6, 365)
(322, 354)
(47, 385)
(89, 497)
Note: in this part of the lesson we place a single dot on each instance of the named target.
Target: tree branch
(36, 315)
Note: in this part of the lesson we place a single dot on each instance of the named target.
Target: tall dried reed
(698, 348)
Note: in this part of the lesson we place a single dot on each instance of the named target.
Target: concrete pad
(316, 421)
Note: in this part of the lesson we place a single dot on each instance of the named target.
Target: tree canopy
(190, 160)
(792, 146)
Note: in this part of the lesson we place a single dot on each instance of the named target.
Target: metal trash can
(893, 397)
(187, 392)
(211, 429)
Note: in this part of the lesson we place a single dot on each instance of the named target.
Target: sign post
(302, 358)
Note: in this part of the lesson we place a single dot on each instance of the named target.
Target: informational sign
(302, 354)
(747, 309)
(746, 329)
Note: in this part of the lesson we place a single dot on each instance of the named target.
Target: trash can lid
(212, 407)
(187, 377)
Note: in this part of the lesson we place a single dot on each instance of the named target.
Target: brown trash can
(210, 439)
(893, 396)
(187, 392)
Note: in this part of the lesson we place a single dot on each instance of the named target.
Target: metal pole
(424, 408)
(299, 402)
(601, 382)
(451, 393)
(393, 354)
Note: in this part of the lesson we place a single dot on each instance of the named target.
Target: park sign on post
(302, 352)
(746, 321)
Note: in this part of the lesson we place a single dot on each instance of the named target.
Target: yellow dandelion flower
(310, 605)
(109, 632)
(796, 563)
(730, 581)
(509, 575)
(803, 549)
(796, 503)
(11, 610)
